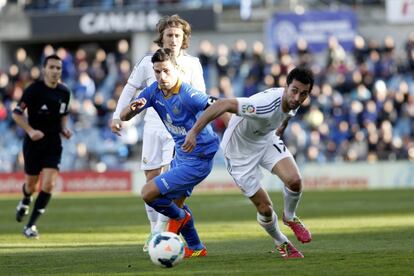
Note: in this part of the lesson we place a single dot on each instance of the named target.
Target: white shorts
(157, 148)
(245, 167)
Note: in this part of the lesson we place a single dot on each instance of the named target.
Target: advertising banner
(400, 11)
(329, 176)
(285, 29)
(117, 181)
(361, 175)
(11, 182)
(113, 22)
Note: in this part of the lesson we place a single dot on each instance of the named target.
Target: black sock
(39, 208)
(27, 198)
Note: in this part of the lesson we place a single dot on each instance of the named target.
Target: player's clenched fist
(132, 109)
(36, 135)
(137, 104)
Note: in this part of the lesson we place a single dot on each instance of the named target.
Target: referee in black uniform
(47, 104)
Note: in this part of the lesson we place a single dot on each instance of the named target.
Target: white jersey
(254, 126)
(143, 75)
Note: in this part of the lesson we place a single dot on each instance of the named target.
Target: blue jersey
(179, 113)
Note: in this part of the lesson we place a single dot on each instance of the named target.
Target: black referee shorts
(45, 153)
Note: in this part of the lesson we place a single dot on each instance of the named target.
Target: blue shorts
(183, 176)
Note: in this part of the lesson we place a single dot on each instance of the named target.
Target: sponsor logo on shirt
(248, 108)
(44, 107)
(177, 130)
(169, 118)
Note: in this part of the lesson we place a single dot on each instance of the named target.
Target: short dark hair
(52, 56)
(164, 54)
(173, 21)
(301, 74)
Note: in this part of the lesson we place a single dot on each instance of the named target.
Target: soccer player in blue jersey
(178, 105)
(173, 33)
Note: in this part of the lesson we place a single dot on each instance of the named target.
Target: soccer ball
(166, 249)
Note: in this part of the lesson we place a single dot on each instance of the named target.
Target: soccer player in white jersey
(158, 146)
(250, 141)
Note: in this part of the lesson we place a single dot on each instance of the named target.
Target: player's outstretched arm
(211, 113)
(127, 94)
(133, 109)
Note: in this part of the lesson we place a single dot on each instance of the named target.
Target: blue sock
(190, 234)
(167, 207)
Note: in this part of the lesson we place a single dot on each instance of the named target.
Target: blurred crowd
(68, 5)
(361, 107)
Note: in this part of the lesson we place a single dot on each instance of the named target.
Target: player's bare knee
(145, 195)
(31, 188)
(48, 187)
(294, 183)
(31, 184)
(150, 192)
(265, 209)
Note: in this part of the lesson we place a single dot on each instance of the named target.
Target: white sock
(152, 216)
(271, 226)
(161, 224)
(291, 201)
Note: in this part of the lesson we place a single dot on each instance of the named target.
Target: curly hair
(173, 21)
(302, 74)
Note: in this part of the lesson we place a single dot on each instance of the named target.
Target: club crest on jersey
(176, 111)
(248, 108)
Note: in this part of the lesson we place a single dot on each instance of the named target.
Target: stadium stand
(362, 105)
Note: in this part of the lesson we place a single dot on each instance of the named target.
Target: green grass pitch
(354, 233)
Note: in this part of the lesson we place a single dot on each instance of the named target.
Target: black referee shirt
(45, 106)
